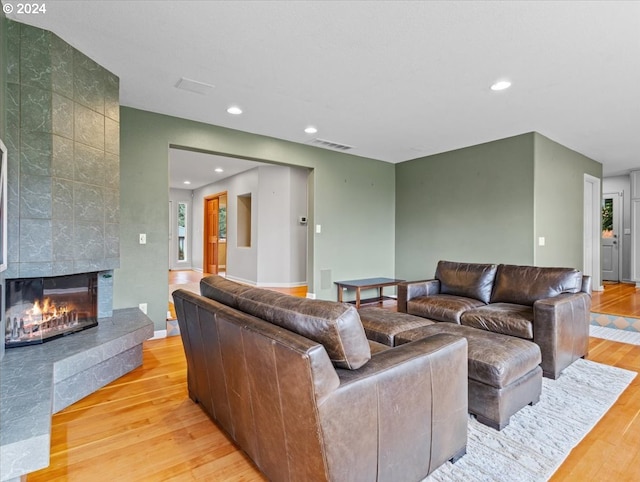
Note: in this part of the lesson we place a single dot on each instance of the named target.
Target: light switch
(143, 238)
(318, 228)
(541, 241)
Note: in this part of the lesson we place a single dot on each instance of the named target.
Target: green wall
(491, 203)
(559, 205)
(473, 204)
(353, 202)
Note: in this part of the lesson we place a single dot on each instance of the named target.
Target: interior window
(182, 231)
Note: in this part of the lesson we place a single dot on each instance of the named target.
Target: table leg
(358, 297)
(340, 293)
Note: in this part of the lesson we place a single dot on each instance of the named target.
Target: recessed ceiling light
(219, 169)
(187, 182)
(235, 110)
(501, 85)
(311, 130)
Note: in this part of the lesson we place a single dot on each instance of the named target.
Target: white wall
(282, 198)
(277, 255)
(299, 202)
(176, 196)
(241, 262)
(622, 184)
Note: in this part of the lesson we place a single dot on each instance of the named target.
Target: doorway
(611, 222)
(215, 234)
(285, 259)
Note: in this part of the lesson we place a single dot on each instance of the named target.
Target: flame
(47, 311)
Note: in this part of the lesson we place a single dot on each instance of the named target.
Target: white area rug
(540, 437)
(193, 287)
(623, 336)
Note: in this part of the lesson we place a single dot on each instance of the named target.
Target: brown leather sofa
(550, 306)
(297, 385)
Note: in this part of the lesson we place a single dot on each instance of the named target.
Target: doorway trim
(592, 230)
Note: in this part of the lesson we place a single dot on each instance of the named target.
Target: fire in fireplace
(42, 309)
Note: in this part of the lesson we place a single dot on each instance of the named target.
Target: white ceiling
(198, 168)
(395, 79)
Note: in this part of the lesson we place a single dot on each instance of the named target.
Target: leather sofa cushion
(495, 360)
(222, 290)
(441, 307)
(335, 325)
(382, 325)
(523, 285)
(505, 318)
(471, 280)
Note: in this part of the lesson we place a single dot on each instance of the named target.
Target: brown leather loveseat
(296, 384)
(549, 306)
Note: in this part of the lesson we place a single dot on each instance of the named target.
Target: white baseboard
(241, 280)
(282, 285)
(311, 296)
(296, 284)
(158, 334)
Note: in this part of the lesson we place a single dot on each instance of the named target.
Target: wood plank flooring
(143, 427)
(621, 299)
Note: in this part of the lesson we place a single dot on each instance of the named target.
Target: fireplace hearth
(42, 309)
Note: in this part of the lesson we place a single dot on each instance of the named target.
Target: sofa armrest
(561, 329)
(414, 397)
(412, 289)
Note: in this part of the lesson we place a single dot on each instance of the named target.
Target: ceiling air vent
(194, 86)
(329, 144)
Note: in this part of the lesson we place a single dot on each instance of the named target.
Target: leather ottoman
(383, 325)
(504, 371)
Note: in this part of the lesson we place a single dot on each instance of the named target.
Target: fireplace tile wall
(62, 133)
(64, 169)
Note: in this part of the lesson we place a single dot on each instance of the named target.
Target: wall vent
(194, 86)
(329, 144)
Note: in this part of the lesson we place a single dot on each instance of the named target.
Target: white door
(611, 216)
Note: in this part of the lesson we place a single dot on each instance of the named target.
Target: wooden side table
(367, 283)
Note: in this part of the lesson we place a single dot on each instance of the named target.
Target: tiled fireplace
(63, 144)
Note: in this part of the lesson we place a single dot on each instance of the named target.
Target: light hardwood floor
(143, 427)
(617, 299)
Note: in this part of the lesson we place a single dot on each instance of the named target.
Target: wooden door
(211, 236)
